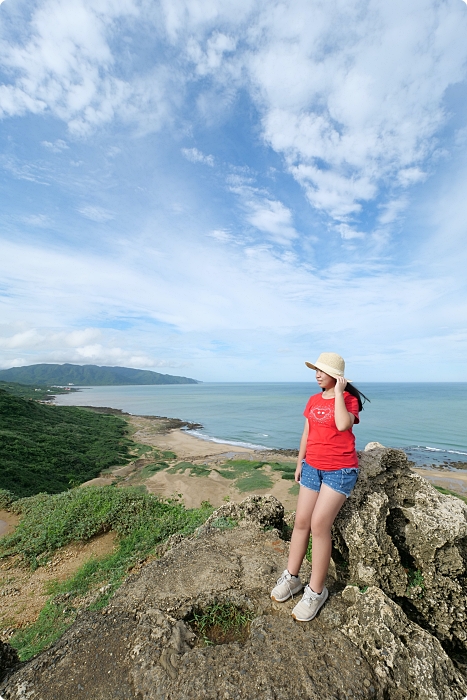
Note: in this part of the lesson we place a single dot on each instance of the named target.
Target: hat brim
(325, 368)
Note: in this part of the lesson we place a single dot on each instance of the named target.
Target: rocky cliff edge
(394, 627)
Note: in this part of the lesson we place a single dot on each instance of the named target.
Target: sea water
(427, 420)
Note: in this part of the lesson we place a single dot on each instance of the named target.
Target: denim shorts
(340, 480)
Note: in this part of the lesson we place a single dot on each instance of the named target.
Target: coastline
(446, 474)
(165, 435)
(170, 434)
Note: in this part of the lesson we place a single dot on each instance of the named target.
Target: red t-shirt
(328, 448)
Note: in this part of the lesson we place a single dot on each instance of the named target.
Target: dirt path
(24, 592)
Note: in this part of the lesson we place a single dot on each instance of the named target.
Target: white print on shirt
(322, 414)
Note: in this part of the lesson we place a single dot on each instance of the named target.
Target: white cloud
(56, 147)
(97, 214)
(26, 339)
(274, 219)
(68, 67)
(348, 233)
(353, 99)
(37, 220)
(391, 210)
(210, 60)
(221, 235)
(195, 156)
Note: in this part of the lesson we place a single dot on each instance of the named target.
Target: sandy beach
(194, 489)
(216, 489)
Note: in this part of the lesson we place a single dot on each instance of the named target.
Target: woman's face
(325, 380)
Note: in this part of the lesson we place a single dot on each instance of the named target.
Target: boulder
(409, 661)
(397, 532)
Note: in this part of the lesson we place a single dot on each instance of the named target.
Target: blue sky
(226, 189)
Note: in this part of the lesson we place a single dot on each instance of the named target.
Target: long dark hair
(353, 391)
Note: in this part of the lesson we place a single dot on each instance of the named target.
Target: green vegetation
(254, 482)
(50, 448)
(88, 375)
(224, 523)
(415, 580)
(32, 391)
(54, 619)
(246, 473)
(151, 469)
(221, 623)
(287, 469)
(51, 521)
(309, 549)
(142, 522)
(234, 468)
(294, 490)
(195, 469)
(6, 499)
(447, 492)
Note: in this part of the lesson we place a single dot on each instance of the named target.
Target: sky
(223, 189)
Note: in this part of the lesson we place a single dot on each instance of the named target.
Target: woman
(327, 470)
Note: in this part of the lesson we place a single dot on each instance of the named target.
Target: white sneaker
(287, 585)
(309, 605)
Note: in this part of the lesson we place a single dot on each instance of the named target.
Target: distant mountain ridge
(88, 375)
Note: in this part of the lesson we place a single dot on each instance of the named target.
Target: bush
(52, 521)
(50, 448)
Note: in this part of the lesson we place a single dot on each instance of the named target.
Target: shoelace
(309, 596)
(285, 578)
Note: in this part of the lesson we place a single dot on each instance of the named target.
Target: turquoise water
(427, 420)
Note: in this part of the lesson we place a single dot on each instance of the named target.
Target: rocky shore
(394, 627)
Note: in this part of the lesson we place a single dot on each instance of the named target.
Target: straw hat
(329, 362)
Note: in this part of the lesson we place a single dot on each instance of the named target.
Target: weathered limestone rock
(400, 534)
(142, 647)
(409, 661)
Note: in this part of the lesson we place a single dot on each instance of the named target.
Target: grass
(142, 522)
(50, 521)
(254, 482)
(224, 523)
(447, 492)
(247, 474)
(221, 623)
(415, 580)
(53, 621)
(235, 468)
(151, 469)
(195, 469)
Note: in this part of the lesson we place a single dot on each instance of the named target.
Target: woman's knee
(302, 522)
(320, 527)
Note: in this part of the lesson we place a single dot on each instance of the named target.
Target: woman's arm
(302, 451)
(344, 419)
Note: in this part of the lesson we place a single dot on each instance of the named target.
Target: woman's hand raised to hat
(341, 383)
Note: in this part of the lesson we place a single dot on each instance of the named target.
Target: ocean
(427, 420)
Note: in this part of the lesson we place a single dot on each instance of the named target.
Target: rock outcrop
(365, 643)
(8, 659)
(399, 533)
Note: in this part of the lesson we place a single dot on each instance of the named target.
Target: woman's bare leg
(302, 528)
(326, 507)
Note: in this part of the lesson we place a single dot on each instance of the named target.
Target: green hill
(87, 375)
(50, 448)
(32, 391)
